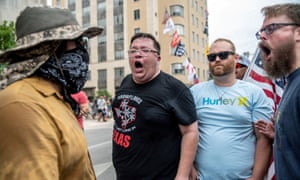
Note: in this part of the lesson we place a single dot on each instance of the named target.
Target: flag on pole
(166, 17)
(273, 88)
(206, 49)
(192, 76)
(176, 39)
(169, 26)
(205, 30)
(196, 79)
(180, 49)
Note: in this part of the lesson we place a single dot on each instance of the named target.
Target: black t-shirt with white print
(146, 135)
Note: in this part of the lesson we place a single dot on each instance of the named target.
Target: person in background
(229, 146)
(39, 133)
(280, 45)
(94, 108)
(83, 101)
(155, 130)
(102, 108)
(241, 67)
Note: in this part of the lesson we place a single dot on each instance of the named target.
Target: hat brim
(45, 45)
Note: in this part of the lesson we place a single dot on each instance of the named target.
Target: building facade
(10, 9)
(121, 19)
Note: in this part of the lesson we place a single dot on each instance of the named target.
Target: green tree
(7, 38)
(7, 35)
(104, 92)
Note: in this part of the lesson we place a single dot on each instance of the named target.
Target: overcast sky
(238, 20)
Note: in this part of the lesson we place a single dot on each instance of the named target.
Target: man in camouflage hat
(39, 133)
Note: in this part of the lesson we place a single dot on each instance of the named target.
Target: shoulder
(22, 90)
(170, 80)
(248, 86)
(202, 86)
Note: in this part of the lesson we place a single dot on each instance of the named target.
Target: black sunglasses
(222, 55)
(83, 41)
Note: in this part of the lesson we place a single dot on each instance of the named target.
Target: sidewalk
(94, 124)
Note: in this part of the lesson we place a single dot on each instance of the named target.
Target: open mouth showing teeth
(138, 65)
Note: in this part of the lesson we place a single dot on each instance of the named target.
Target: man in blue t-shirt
(230, 147)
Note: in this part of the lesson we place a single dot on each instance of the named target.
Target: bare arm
(262, 157)
(188, 150)
(84, 109)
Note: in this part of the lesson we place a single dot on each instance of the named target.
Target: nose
(262, 35)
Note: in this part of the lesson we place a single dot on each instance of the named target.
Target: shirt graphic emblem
(126, 113)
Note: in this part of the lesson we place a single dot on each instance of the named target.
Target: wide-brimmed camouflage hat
(40, 30)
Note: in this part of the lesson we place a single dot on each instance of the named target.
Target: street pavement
(99, 140)
(94, 124)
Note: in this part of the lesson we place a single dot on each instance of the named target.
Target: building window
(102, 79)
(86, 17)
(101, 52)
(118, 3)
(193, 37)
(85, 3)
(119, 75)
(136, 14)
(180, 29)
(177, 10)
(118, 30)
(194, 54)
(89, 75)
(177, 68)
(71, 5)
(101, 11)
(193, 19)
(137, 30)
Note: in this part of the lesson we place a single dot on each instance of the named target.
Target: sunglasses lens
(84, 42)
(211, 57)
(223, 55)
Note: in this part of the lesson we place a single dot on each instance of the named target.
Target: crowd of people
(224, 128)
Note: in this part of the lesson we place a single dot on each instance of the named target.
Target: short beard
(282, 61)
(228, 69)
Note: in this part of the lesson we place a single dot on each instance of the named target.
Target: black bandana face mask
(74, 66)
(70, 70)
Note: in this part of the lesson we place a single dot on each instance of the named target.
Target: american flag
(273, 88)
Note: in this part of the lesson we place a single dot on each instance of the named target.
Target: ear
(158, 58)
(297, 34)
(236, 58)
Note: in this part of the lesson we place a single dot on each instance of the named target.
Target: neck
(225, 81)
